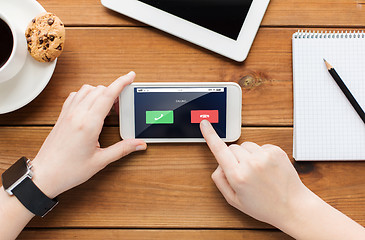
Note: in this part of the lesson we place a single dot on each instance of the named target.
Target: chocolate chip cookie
(45, 37)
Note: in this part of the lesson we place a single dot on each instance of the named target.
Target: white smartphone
(172, 112)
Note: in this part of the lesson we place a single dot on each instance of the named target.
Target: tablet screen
(171, 112)
(225, 17)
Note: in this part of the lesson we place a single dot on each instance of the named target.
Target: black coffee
(6, 42)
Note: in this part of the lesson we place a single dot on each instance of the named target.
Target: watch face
(16, 171)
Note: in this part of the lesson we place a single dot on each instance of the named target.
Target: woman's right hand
(258, 180)
(261, 182)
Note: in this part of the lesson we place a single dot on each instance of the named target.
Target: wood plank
(297, 13)
(73, 13)
(99, 55)
(169, 187)
(324, 13)
(155, 234)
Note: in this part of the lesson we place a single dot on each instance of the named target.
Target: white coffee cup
(19, 53)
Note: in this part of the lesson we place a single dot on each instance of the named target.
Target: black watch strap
(33, 198)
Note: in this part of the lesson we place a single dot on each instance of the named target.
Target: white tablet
(227, 27)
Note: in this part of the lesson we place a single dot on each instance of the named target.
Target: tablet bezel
(233, 115)
(234, 49)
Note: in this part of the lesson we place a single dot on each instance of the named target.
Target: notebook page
(326, 126)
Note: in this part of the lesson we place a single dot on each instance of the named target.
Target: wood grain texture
(151, 234)
(170, 187)
(100, 55)
(329, 13)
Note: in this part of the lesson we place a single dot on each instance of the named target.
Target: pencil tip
(327, 64)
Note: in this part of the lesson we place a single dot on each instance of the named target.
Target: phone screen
(175, 112)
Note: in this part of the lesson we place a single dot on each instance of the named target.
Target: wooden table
(167, 192)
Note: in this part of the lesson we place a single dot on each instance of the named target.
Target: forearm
(312, 218)
(13, 216)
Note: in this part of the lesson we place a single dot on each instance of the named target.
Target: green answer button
(159, 117)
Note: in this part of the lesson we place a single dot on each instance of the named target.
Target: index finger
(103, 105)
(221, 152)
(116, 87)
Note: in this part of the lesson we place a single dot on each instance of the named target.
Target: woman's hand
(71, 154)
(259, 181)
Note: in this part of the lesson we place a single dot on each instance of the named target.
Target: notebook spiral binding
(301, 34)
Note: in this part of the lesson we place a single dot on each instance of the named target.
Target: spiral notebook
(326, 126)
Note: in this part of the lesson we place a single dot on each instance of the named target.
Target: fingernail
(130, 73)
(205, 123)
(141, 147)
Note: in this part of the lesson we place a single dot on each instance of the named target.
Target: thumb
(121, 149)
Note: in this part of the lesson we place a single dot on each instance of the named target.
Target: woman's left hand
(71, 154)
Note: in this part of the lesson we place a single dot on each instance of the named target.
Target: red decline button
(198, 115)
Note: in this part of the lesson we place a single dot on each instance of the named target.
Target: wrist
(11, 206)
(300, 213)
(44, 180)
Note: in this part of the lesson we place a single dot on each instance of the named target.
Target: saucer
(34, 76)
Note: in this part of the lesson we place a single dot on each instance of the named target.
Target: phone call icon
(159, 117)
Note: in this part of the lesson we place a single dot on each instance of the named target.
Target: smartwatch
(17, 180)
